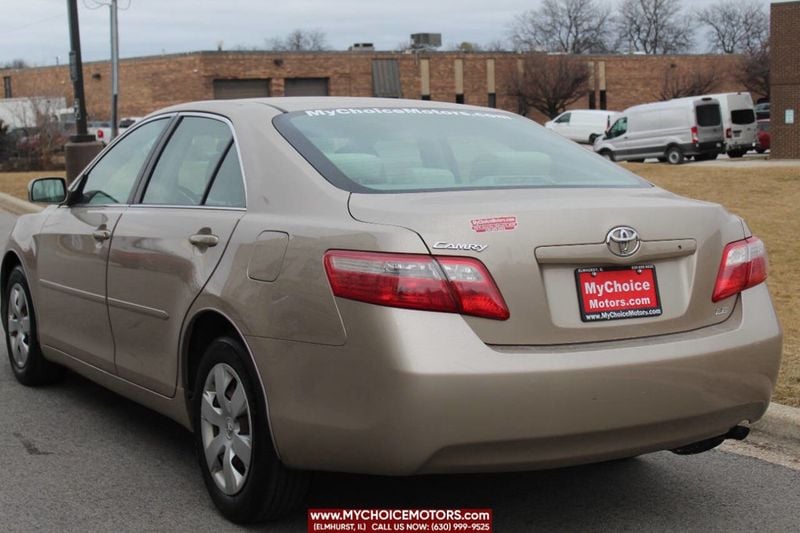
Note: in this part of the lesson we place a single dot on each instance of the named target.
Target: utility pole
(76, 74)
(114, 70)
(82, 147)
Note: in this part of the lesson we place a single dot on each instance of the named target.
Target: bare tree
(754, 71)
(568, 26)
(654, 26)
(678, 84)
(465, 46)
(15, 63)
(299, 40)
(496, 45)
(735, 26)
(549, 83)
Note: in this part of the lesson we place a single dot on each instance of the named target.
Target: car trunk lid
(535, 241)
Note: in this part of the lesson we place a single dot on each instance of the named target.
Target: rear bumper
(713, 147)
(414, 392)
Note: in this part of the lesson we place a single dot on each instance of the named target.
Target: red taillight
(695, 138)
(744, 265)
(100, 134)
(728, 133)
(449, 284)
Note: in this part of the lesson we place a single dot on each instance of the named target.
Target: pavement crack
(30, 447)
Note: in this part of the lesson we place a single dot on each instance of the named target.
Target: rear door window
(708, 115)
(563, 119)
(188, 162)
(743, 116)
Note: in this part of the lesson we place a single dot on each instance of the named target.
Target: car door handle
(204, 239)
(101, 235)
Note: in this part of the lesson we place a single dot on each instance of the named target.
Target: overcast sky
(36, 30)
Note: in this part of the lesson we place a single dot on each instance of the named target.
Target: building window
(592, 102)
(492, 100)
(603, 103)
(459, 98)
(426, 97)
(7, 86)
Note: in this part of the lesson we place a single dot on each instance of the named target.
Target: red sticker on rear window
(482, 225)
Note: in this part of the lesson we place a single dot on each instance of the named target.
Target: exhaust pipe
(735, 433)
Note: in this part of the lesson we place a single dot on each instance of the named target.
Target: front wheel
(735, 154)
(674, 155)
(22, 341)
(241, 470)
(608, 154)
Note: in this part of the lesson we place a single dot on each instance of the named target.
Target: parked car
(389, 287)
(763, 142)
(102, 129)
(762, 110)
(739, 121)
(670, 131)
(582, 125)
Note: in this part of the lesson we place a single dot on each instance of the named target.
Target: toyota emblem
(623, 241)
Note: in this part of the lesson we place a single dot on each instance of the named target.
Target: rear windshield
(708, 115)
(743, 116)
(421, 149)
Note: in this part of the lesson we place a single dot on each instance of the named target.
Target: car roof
(301, 103)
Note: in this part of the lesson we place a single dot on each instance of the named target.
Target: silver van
(670, 131)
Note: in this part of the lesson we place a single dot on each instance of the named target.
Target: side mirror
(47, 190)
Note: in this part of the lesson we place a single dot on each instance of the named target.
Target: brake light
(744, 265)
(695, 138)
(728, 133)
(447, 284)
(100, 134)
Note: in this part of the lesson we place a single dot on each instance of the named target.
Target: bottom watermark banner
(399, 520)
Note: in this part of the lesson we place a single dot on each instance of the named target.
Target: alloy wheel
(226, 428)
(19, 325)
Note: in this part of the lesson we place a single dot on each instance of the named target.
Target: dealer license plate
(613, 293)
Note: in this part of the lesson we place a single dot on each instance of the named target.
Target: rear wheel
(22, 341)
(735, 154)
(760, 150)
(241, 470)
(674, 155)
(608, 154)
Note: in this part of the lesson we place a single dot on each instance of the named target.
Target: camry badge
(442, 245)
(623, 241)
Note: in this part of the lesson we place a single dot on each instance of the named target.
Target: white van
(739, 121)
(670, 131)
(582, 125)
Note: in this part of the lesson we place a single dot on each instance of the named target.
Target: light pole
(114, 69)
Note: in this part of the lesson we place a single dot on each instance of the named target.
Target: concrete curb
(17, 206)
(781, 423)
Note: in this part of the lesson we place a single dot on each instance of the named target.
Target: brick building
(484, 78)
(785, 79)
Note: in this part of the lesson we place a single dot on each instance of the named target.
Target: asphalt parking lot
(79, 458)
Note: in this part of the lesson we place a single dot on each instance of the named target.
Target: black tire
(735, 154)
(760, 150)
(608, 154)
(269, 490)
(662, 159)
(30, 368)
(674, 155)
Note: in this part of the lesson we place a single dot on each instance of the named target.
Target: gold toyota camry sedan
(389, 287)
